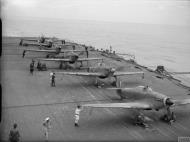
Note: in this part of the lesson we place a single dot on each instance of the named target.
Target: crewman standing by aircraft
(86, 49)
(21, 42)
(14, 134)
(52, 76)
(73, 47)
(77, 113)
(32, 67)
(110, 49)
(46, 126)
(23, 53)
(63, 41)
(39, 66)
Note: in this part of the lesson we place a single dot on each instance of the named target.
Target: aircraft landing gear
(140, 121)
(169, 117)
(98, 84)
(50, 56)
(114, 83)
(81, 65)
(121, 97)
(61, 65)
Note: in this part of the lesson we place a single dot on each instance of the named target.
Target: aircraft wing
(64, 45)
(89, 59)
(63, 51)
(66, 60)
(126, 73)
(80, 73)
(54, 59)
(176, 73)
(53, 51)
(29, 39)
(36, 44)
(48, 51)
(181, 102)
(130, 105)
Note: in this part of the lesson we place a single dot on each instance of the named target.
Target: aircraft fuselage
(105, 72)
(154, 99)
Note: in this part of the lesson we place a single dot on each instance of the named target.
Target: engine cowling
(168, 102)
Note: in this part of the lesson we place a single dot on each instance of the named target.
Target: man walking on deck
(46, 126)
(77, 113)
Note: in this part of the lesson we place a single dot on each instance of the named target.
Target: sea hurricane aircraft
(51, 53)
(42, 41)
(102, 72)
(143, 98)
(71, 58)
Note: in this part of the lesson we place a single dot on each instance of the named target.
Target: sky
(172, 12)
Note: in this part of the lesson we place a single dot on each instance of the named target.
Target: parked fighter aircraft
(41, 39)
(47, 44)
(162, 73)
(144, 98)
(71, 58)
(51, 52)
(102, 72)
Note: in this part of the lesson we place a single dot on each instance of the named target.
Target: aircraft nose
(169, 102)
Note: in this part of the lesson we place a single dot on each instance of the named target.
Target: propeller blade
(181, 102)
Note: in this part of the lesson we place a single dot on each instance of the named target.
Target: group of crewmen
(14, 135)
(40, 66)
(47, 123)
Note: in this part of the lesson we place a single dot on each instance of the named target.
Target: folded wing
(33, 50)
(53, 51)
(89, 59)
(79, 73)
(130, 105)
(181, 102)
(127, 73)
(54, 59)
(63, 51)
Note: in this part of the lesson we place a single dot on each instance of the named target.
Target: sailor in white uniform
(47, 126)
(77, 113)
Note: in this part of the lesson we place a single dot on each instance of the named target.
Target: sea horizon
(152, 44)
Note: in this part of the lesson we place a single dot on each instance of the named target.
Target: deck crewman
(86, 49)
(23, 53)
(73, 47)
(52, 76)
(14, 135)
(110, 49)
(63, 41)
(77, 113)
(39, 66)
(32, 67)
(46, 127)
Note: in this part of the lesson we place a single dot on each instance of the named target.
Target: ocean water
(152, 45)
